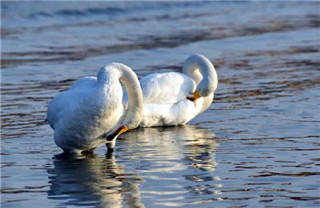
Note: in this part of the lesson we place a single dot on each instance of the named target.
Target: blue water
(256, 146)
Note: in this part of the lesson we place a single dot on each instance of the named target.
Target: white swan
(82, 115)
(173, 98)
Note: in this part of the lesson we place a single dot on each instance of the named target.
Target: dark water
(256, 146)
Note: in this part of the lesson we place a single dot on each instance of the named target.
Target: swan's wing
(65, 101)
(56, 107)
(166, 88)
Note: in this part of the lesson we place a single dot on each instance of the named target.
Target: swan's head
(202, 90)
(202, 71)
(205, 88)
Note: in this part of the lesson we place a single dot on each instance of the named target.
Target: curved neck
(130, 80)
(201, 70)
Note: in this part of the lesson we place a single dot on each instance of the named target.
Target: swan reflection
(91, 180)
(177, 163)
(149, 164)
(191, 145)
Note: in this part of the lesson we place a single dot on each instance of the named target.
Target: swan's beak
(117, 132)
(195, 96)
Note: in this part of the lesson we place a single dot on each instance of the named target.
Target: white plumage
(165, 94)
(82, 115)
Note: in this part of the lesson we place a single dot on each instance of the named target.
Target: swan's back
(166, 88)
(68, 100)
(84, 83)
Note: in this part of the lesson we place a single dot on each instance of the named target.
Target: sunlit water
(256, 146)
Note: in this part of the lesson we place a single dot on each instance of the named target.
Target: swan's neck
(116, 72)
(192, 70)
(201, 70)
(130, 80)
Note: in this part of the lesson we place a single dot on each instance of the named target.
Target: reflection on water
(92, 180)
(196, 146)
(107, 181)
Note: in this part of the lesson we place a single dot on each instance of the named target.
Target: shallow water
(256, 146)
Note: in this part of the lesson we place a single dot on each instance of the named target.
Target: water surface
(256, 146)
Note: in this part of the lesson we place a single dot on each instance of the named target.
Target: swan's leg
(195, 95)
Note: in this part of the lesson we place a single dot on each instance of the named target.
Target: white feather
(165, 95)
(82, 115)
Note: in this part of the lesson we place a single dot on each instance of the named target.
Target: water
(256, 146)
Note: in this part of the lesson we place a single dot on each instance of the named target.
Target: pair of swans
(94, 110)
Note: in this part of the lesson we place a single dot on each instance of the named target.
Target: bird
(172, 98)
(91, 113)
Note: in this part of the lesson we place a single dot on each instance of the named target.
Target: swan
(82, 116)
(173, 98)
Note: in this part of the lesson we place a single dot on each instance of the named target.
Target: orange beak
(117, 132)
(196, 95)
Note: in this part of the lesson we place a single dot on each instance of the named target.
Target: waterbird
(92, 113)
(173, 98)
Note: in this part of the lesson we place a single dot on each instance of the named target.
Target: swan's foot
(117, 132)
(195, 95)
